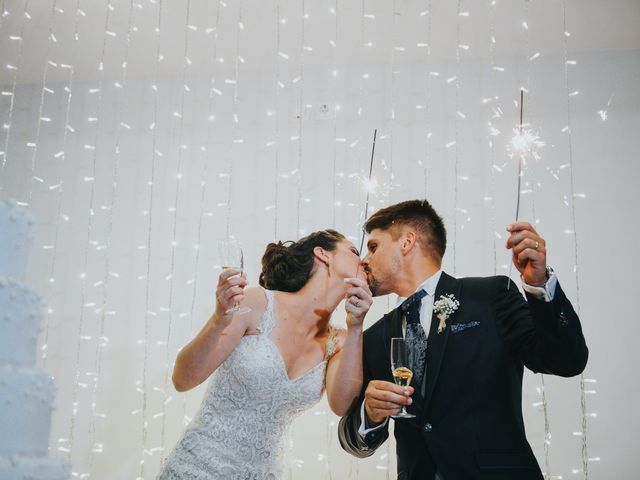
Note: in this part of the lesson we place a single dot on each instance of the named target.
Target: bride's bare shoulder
(254, 298)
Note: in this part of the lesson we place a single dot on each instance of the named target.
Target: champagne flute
(231, 256)
(402, 375)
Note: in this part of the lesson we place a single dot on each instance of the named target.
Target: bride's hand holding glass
(229, 293)
(232, 259)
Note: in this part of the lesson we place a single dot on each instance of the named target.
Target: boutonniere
(444, 308)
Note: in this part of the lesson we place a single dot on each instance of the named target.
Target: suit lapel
(437, 342)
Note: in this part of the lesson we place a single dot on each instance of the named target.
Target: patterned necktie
(415, 336)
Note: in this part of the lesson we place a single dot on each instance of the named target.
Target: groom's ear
(409, 239)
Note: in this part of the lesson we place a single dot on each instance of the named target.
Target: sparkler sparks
(524, 143)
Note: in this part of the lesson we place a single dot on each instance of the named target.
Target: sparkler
(523, 144)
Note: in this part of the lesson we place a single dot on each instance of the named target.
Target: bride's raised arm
(222, 332)
(344, 372)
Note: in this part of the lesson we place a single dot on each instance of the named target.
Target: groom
(475, 336)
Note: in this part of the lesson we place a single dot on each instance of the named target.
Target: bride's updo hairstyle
(288, 266)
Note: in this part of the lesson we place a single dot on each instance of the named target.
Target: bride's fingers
(361, 293)
(226, 273)
(358, 282)
(359, 303)
(230, 296)
(240, 280)
(357, 309)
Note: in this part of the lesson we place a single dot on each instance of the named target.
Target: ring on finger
(537, 245)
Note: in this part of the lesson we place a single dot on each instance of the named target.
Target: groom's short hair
(418, 214)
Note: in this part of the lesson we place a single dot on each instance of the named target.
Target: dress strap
(331, 347)
(266, 322)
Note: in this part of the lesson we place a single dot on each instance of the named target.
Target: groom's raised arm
(544, 332)
(546, 336)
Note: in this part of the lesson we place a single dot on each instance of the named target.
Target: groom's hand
(529, 252)
(382, 399)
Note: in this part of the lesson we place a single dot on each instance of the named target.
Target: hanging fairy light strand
(276, 155)
(184, 89)
(361, 80)
(456, 139)
(14, 81)
(236, 119)
(334, 74)
(51, 38)
(457, 118)
(147, 313)
(583, 400)
(107, 274)
(527, 89)
(203, 186)
(392, 66)
(301, 116)
(88, 239)
(428, 106)
(530, 58)
(3, 13)
(333, 11)
(492, 131)
(58, 187)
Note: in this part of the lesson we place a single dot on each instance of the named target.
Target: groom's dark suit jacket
(469, 422)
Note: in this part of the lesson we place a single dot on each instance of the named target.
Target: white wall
(409, 164)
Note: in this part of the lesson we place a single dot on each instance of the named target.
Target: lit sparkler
(524, 144)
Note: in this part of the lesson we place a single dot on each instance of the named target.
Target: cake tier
(18, 467)
(20, 315)
(26, 401)
(15, 224)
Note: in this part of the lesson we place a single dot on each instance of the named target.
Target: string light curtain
(139, 132)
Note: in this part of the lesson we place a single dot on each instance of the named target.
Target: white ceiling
(594, 25)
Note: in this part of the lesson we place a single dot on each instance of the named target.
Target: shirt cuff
(545, 292)
(362, 431)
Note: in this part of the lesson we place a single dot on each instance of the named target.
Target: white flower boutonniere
(444, 307)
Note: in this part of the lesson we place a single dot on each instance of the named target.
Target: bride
(269, 365)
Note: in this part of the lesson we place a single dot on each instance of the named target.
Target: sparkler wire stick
(519, 178)
(366, 206)
(520, 157)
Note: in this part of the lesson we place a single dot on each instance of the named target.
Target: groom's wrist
(544, 292)
(368, 422)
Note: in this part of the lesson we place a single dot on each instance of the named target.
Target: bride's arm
(220, 335)
(344, 372)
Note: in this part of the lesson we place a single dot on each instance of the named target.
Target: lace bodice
(240, 429)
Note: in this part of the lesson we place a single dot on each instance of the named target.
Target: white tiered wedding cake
(26, 393)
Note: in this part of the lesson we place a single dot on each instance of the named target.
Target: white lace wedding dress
(240, 430)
